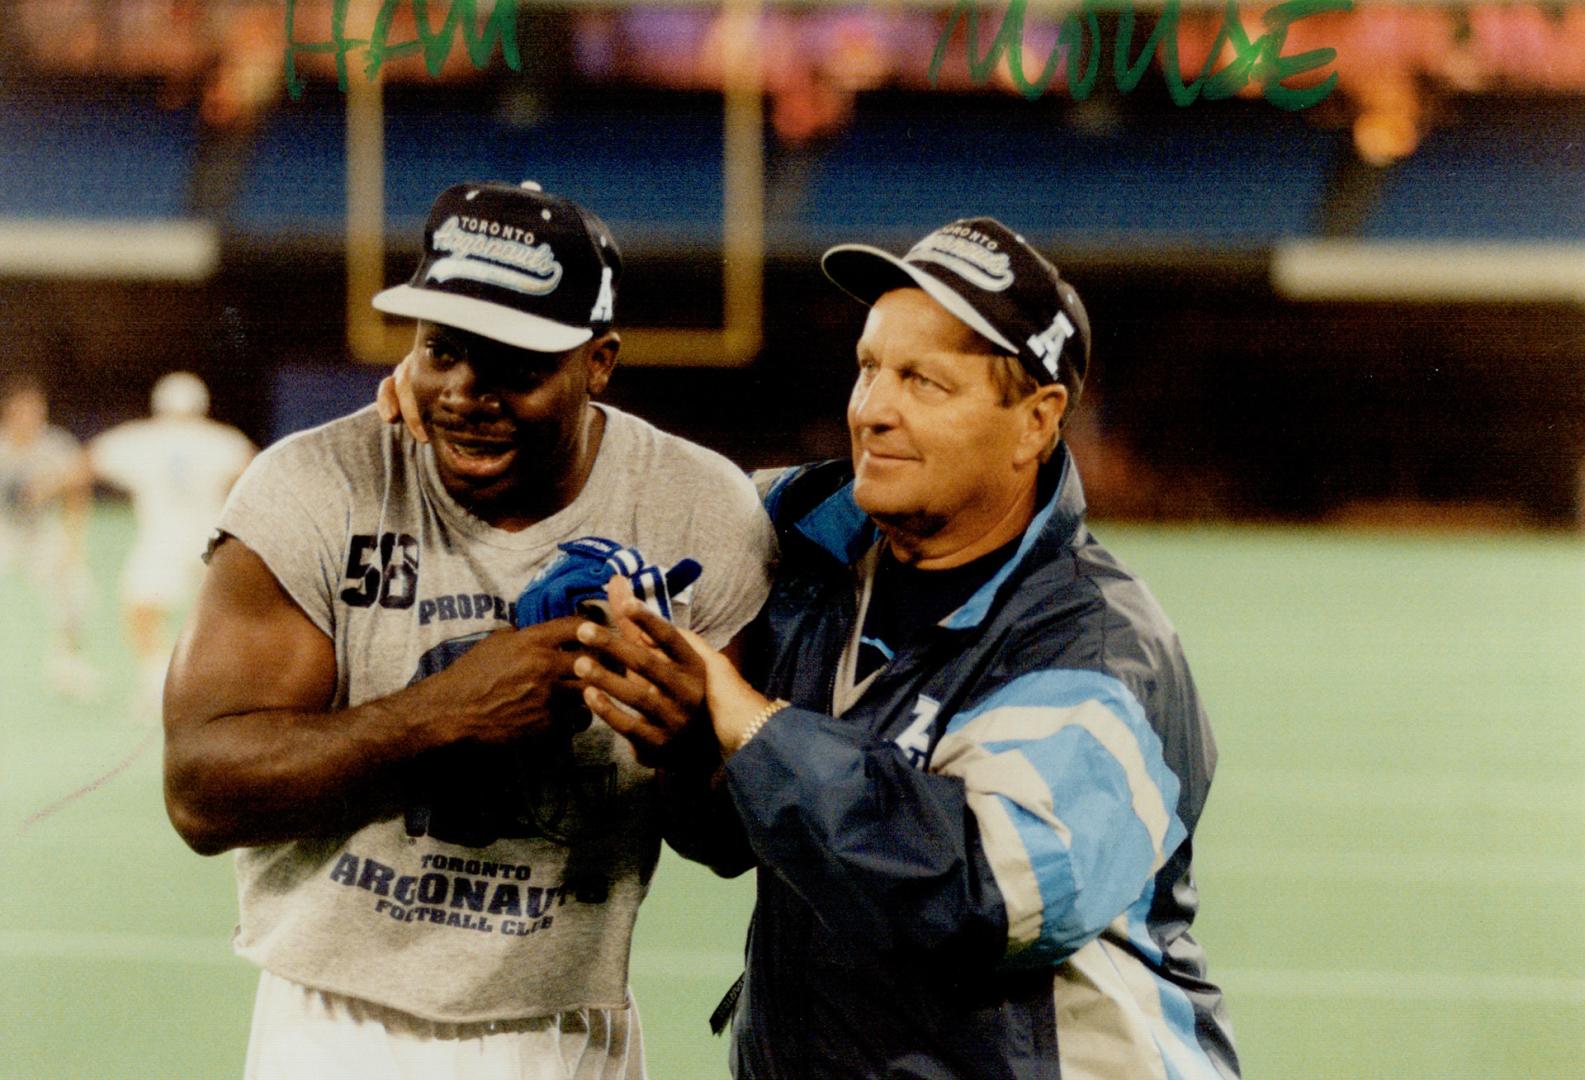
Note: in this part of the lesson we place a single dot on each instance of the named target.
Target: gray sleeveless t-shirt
(510, 886)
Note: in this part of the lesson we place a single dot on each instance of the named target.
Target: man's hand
(394, 400)
(734, 704)
(512, 684)
(667, 683)
(648, 683)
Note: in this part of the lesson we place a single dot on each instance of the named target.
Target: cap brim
(498, 323)
(867, 273)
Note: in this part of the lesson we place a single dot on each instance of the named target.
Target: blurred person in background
(441, 853)
(969, 757)
(45, 496)
(177, 465)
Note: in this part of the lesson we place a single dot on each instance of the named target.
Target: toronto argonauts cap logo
(968, 253)
(480, 253)
(515, 264)
(991, 278)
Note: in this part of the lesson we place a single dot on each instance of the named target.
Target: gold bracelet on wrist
(759, 721)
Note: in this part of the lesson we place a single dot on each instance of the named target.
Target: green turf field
(1391, 866)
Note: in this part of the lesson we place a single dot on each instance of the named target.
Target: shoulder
(58, 439)
(224, 436)
(1080, 607)
(790, 492)
(116, 439)
(326, 468)
(634, 436)
(1129, 608)
(359, 440)
(118, 452)
(298, 501)
(1079, 629)
(679, 467)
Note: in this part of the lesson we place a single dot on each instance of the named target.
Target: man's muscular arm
(253, 752)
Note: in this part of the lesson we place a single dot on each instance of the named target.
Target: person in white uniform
(440, 852)
(177, 465)
(45, 497)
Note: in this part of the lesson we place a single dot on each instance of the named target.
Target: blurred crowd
(1394, 62)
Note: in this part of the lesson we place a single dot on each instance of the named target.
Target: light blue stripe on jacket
(1075, 803)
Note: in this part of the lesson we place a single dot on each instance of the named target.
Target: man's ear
(602, 360)
(1044, 410)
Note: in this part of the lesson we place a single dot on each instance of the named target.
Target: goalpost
(373, 340)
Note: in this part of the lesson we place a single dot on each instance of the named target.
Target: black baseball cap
(992, 279)
(514, 264)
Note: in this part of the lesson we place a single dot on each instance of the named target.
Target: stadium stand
(108, 156)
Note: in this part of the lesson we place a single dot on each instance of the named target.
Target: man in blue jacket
(971, 776)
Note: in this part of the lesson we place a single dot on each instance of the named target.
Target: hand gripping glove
(471, 796)
(578, 576)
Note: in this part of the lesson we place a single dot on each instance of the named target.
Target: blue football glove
(579, 574)
(447, 799)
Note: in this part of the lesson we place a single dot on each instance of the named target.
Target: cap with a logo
(990, 278)
(513, 264)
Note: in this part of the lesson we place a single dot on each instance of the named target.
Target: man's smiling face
(506, 423)
(934, 448)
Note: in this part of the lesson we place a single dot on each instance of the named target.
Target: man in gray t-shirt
(439, 856)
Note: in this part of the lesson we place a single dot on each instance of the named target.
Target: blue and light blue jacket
(981, 868)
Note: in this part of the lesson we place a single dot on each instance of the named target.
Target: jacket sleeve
(1045, 812)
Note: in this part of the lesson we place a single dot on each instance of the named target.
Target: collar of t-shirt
(905, 601)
